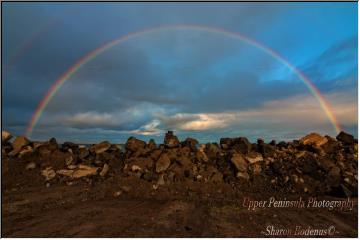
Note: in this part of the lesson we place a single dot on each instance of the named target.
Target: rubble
(315, 164)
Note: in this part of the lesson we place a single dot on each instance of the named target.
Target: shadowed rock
(191, 143)
(101, 147)
(170, 140)
(134, 144)
(151, 144)
(345, 138)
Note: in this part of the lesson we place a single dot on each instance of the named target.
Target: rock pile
(314, 164)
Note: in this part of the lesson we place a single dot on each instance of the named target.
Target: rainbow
(93, 54)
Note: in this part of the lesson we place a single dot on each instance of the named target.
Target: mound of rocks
(314, 164)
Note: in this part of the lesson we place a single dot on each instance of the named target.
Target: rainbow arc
(325, 105)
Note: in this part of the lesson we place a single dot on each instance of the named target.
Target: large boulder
(212, 150)
(345, 138)
(72, 147)
(134, 144)
(243, 145)
(266, 150)
(57, 159)
(18, 144)
(240, 144)
(170, 140)
(314, 139)
(226, 143)
(191, 143)
(332, 146)
(46, 148)
(100, 147)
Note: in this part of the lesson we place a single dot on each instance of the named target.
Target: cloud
(297, 112)
(149, 129)
(193, 122)
(91, 119)
(283, 119)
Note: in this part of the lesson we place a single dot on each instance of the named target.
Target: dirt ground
(121, 207)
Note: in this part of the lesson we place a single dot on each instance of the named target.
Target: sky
(198, 83)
